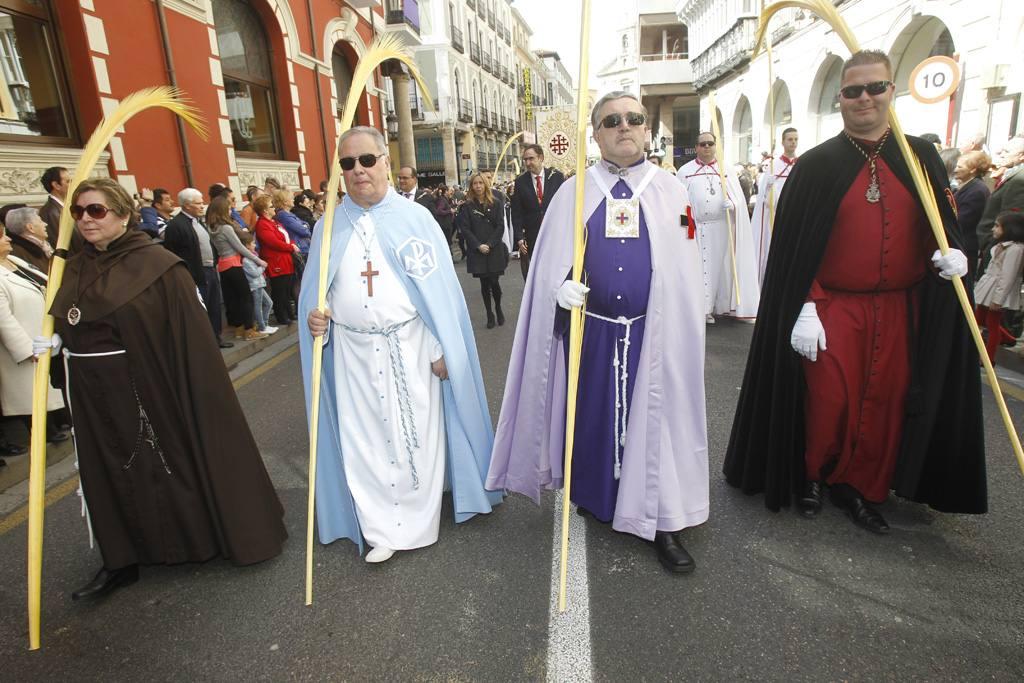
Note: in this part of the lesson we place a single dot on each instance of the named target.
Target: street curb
(237, 360)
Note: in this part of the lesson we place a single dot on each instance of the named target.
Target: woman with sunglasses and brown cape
(169, 468)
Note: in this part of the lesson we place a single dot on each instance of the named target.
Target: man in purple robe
(640, 449)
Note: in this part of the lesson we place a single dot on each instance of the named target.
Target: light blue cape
(414, 246)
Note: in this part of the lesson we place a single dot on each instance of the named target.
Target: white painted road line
(569, 632)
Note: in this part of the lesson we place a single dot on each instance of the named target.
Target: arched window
(33, 96)
(342, 76)
(248, 80)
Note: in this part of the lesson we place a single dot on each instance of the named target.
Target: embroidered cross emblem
(622, 219)
(559, 144)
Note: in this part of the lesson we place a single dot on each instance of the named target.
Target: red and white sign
(934, 79)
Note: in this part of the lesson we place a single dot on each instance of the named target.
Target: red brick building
(262, 72)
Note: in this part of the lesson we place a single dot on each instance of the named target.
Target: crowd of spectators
(245, 258)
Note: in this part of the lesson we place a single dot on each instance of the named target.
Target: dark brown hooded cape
(197, 490)
(942, 455)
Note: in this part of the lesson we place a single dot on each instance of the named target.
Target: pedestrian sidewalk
(17, 467)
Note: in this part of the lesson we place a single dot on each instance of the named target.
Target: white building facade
(986, 38)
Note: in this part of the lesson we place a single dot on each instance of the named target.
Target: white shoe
(709, 319)
(269, 330)
(379, 554)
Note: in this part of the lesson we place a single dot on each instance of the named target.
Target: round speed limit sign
(934, 79)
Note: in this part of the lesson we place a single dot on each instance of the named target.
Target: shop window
(33, 97)
(248, 80)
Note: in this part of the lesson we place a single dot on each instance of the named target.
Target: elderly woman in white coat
(22, 304)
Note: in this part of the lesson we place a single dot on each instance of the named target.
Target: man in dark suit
(187, 238)
(409, 188)
(1008, 194)
(530, 198)
(55, 180)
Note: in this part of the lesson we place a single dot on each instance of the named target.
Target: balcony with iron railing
(403, 12)
(487, 64)
(726, 54)
(457, 39)
(490, 17)
(474, 52)
(481, 116)
(472, 3)
(499, 28)
(494, 121)
(465, 111)
(481, 9)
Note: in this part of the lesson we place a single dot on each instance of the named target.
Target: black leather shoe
(582, 511)
(225, 345)
(8, 448)
(809, 502)
(107, 581)
(672, 554)
(501, 316)
(58, 436)
(859, 510)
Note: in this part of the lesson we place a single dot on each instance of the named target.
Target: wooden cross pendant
(369, 274)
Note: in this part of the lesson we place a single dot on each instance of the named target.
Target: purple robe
(664, 477)
(619, 273)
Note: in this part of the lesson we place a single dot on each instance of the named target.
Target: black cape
(942, 455)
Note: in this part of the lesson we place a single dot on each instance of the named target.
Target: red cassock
(864, 295)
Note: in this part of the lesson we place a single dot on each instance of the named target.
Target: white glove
(808, 334)
(42, 345)
(571, 294)
(727, 204)
(953, 263)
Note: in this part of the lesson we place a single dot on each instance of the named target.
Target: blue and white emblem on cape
(418, 258)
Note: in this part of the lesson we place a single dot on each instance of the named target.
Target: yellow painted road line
(1008, 389)
(52, 496)
(61, 490)
(269, 365)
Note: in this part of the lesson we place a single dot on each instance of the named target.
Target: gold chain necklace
(873, 194)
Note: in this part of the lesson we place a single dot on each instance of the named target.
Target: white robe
(764, 211)
(392, 513)
(722, 294)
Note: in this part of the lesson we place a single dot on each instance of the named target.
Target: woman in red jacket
(276, 249)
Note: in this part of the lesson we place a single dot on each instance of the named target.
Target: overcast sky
(556, 26)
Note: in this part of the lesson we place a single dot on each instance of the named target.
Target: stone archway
(823, 103)
(743, 130)
(778, 114)
(924, 36)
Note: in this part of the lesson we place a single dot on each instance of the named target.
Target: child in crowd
(261, 302)
(998, 289)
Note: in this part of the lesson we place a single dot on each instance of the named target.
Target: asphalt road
(774, 597)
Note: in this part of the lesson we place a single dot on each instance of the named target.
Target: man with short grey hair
(640, 445)
(403, 407)
(187, 237)
(27, 231)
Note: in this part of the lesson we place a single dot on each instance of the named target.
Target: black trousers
(281, 293)
(237, 298)
(209, 289)
(524, 263)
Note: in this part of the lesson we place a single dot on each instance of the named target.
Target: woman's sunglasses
(633, 118)
(365, 160)
(97, 211)
(852, 92)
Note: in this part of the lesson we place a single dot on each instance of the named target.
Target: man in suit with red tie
(530, 198)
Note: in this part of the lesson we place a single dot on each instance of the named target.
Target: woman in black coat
(481, 221)
(970, 198)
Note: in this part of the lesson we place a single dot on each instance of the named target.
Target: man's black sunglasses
(852, 92)
(633, 118)
(365, 160)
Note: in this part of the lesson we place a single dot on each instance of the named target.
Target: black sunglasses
(706, 143)
(97, 211)
(852, 92)
(365, 160)
(633, 118)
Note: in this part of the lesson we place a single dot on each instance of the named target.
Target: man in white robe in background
(769, 189)
(723, 256)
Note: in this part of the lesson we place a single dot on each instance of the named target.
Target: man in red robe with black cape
(862, 376)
